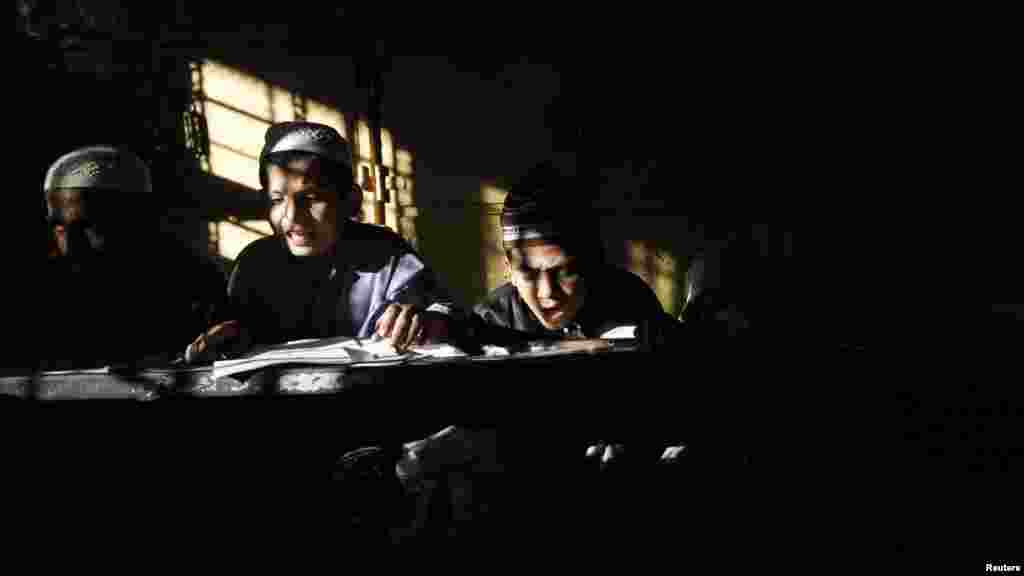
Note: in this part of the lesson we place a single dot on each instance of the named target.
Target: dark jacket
(115, 308)
(279, 298)
(614, 297)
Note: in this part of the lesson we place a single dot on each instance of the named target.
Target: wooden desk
(293, 422)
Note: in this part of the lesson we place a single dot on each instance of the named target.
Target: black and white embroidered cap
(311, 137)
(99, 167)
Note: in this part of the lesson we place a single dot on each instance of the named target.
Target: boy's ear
(508, 268)
(355, 201)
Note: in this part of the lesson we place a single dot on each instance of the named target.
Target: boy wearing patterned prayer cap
(322, 274)
(114, 288)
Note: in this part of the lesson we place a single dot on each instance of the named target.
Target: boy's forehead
(92, 196)
(298, 167)
(301, 173)
(65, 194)
(541, 254)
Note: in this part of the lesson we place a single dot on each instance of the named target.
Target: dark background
(704, 130)
(880, 144)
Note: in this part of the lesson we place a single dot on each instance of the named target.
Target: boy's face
(302, 211)
(548, 280)
(93, 221)
(71, 203)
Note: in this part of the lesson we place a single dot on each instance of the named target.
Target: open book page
(330, 351)
(438, 351)
(327, 351)
(380, 350)
(620, 333)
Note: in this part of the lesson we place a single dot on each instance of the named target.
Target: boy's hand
(407, 325)
(223, 337)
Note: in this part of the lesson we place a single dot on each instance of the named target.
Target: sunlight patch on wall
(387, 149)
(228, 237)
(366, 179)
(236, 110)
(281, 106)
(234, 130)
(404, 164)
(660, 269)
(492, 255)
(323, 114)
(407, 225)
(666, 281)
(364, 144)
(638, 258)
(391, 216)
(240, 90)
(233, 166)
(406, 194)
(367, 208)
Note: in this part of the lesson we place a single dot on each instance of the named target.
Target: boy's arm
(417, 307)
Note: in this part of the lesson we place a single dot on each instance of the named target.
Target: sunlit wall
(492, 256)
(237, 109)
(663, 271)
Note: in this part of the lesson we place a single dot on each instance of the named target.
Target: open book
(620, 333)
(330, 351)
(365, 351)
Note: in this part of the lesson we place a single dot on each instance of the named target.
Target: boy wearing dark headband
(559, 283)
(560, 287)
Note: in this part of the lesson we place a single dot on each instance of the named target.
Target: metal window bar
(197, 136)
(299, 106)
